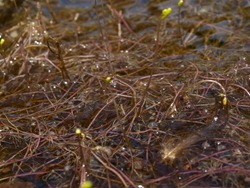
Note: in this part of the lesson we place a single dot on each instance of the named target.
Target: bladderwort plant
(164, 15)
(58, 52)
(180, 4)
(84, 183)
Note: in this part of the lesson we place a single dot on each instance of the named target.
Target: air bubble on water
(37, 42)
(206, 111)
(221, 147)
(65, 82)
(11, 62)
(84, 46)
(97, 66)
(113, 83)
(218, 142)
(67, 168)
(140, 186)
(49, 71)
(205, 145)
(123, 148)
(215, 118)
(237, 152)
(153, 124)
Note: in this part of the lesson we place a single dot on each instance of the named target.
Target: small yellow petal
(165, 12)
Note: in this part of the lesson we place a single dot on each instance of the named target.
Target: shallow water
(148, 87)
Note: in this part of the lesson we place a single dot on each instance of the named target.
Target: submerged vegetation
(122, 94)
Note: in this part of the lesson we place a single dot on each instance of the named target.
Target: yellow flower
(165, 13)
(78, 131)
(86, 184)
(224, 101)
(83, 135)
(108, 79)
(2, 41)
(180, 3)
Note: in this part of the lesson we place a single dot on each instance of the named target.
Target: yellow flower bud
(2, 41)
(224, 101)
(78, 131)
(83, 135)
(180, 3)
(108, 79)
(165, 13)
(86, 184)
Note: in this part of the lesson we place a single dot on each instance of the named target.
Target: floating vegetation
(124, 93)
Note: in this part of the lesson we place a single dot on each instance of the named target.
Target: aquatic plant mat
(109, 93)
